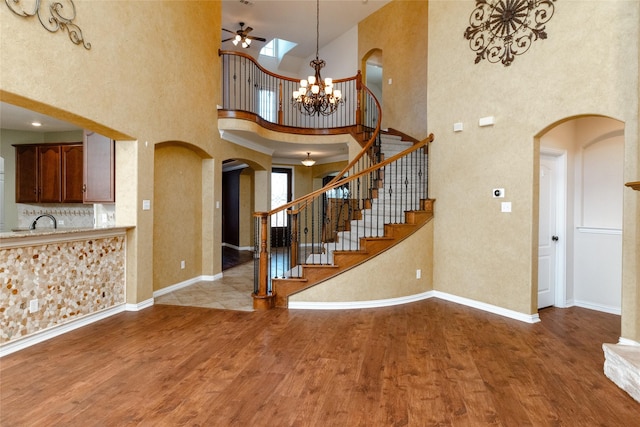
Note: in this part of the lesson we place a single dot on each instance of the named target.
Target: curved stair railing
(375, 189)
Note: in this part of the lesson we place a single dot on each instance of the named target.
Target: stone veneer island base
(622, 366)
(50, 278)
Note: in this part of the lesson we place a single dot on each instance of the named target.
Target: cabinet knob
(84, 188)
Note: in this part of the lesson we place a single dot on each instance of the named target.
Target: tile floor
(232, 292)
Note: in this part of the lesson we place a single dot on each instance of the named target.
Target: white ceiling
(294, 21)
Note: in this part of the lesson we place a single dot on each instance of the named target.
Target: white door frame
(561, 224)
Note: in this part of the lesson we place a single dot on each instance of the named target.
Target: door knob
(555, 238)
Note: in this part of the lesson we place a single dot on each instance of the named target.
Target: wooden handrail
(342, 181)
(264, 70)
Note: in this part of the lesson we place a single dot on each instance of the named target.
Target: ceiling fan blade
(248, 30)
(228, 31)
(260, 39)
(226, 40)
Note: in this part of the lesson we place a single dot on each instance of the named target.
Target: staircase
(395, 206)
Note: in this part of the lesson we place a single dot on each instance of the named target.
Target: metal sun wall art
(501, 29)
(53, 18)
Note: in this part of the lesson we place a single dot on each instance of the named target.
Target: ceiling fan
(242, 36)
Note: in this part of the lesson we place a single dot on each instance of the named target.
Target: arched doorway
(373, 71)
(580, 213)
(238, 205)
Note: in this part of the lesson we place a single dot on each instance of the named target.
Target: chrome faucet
(33, 224)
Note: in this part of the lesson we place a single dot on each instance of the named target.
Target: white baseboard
(598, 307)
(528, 318)
(139, 306)
(171, 288)
(359, 304)
(54, 331)
(238, 248)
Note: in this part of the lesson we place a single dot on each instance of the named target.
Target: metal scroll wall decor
(501, 29)
(53, 15)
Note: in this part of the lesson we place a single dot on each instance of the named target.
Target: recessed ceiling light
(36, 124)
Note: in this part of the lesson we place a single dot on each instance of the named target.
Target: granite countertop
(16, 236)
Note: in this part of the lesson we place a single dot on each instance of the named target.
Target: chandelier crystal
(316, 96)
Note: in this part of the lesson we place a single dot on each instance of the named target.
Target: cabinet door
(99, 169)
(49, 174)
(72, 172)
(26, 174)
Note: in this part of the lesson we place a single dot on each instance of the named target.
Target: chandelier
(315, 95)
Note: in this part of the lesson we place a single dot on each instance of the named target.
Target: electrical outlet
(183, 264)
(418, 273)
(33, 306)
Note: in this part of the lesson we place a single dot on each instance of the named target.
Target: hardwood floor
(429, 363)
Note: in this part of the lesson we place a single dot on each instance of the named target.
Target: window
(267, 105)
(269, 49)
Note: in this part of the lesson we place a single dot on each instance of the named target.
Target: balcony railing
(253, 92)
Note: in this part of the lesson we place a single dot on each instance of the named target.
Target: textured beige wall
(152, 75)
(481, 253)
(391, 275)
(176, 226)
(399, 29)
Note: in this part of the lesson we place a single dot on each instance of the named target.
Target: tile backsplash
(67, 215)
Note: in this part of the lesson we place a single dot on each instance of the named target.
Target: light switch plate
(146, 205)
(506, 206)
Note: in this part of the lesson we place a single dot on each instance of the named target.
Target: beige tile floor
(232, 292)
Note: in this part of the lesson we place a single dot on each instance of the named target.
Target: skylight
(277, 48)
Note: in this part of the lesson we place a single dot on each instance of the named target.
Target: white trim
(598, 307)
(303, 305)
(238, 248)
(598, 230)
(54, 331)
(560, 298)
(186, 283)
(139, 306)
(626, 341)
(528, 318)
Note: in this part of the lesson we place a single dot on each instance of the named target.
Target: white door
(547, 232)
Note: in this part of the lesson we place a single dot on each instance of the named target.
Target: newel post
(358, 98)
(263, 299)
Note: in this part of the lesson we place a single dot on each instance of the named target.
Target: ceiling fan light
(248, 41)
(237, 38)
(235, 42)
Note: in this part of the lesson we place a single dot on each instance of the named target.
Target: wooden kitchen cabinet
(99, 169)
(49, 173)
(72, 171)
(26, 173)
